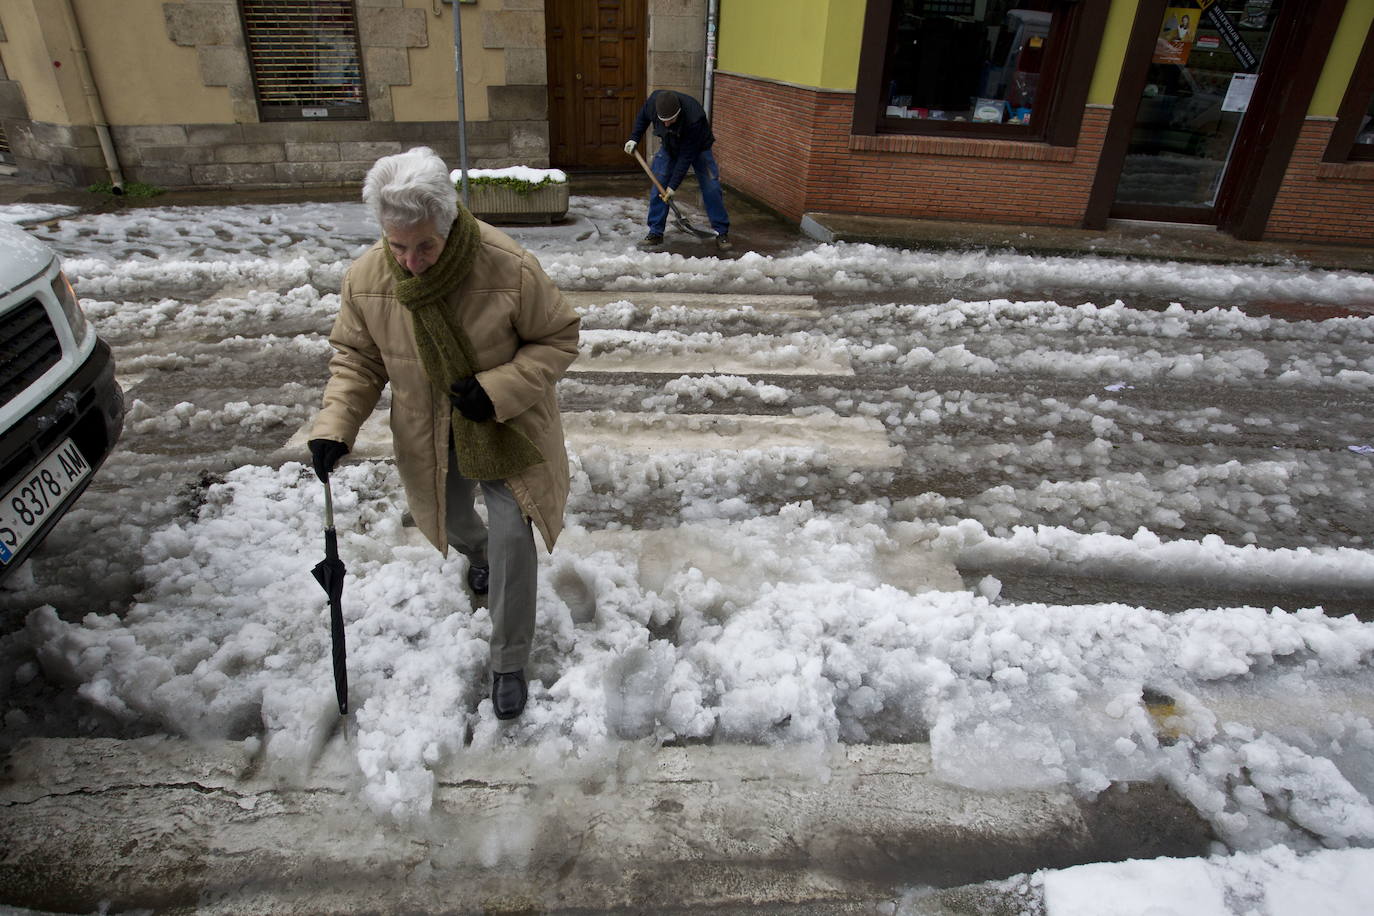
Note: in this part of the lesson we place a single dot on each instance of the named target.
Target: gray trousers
(508, 548)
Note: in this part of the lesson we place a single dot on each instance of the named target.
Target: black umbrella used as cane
(330, 574)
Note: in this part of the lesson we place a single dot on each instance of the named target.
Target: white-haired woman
(472, 336)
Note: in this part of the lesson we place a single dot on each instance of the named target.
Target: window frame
(1359, 93)
(1068, 68)
(357, 111)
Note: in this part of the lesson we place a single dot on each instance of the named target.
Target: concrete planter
(497, 204)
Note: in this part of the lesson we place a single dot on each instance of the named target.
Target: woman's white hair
(412, 189)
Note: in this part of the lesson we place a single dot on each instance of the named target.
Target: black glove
(325, 453)
(471, 401)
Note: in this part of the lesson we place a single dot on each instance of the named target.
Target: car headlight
(62, 289)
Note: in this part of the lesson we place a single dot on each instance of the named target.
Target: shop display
(948, 65)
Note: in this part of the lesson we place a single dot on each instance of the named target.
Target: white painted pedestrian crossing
(771, 304)
(740, 354)
(857, 442)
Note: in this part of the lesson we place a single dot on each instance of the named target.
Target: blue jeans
(708, 179)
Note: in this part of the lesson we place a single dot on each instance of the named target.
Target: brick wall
(791, 148)
(1323, 201)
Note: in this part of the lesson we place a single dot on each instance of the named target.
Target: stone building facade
(177, 86)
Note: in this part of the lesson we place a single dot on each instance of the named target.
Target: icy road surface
(894, 497)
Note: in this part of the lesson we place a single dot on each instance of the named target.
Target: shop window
(305, 59)
(983, 68)
(1353, 136)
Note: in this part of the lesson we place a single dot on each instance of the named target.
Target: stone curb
(178, 826)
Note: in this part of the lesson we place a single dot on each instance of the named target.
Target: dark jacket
(683, 140)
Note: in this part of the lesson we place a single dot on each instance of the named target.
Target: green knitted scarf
(488, 450)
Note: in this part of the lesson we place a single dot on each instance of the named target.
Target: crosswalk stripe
(769, 303)
(858, 442)
(678, 353)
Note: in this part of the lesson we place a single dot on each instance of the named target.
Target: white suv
(61, 410)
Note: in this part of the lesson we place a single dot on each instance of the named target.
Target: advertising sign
(1176, 35)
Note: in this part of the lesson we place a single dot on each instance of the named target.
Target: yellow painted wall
(843, 37)
(807, 42)
(36, 41)
(141, 74)
(1107, 73)
(1340, 63)
(431, 95)
(144, 77)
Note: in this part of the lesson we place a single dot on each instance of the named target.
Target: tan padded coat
(525, 336)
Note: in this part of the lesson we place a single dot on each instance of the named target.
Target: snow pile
(1143, 555)
(205, 248)
(769, 591)
(34, 213)
(1277, 882)
(771, 629)
(517, 172)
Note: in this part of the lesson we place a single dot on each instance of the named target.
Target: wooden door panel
(596, 79)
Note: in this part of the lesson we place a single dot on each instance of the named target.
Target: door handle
(579, 76)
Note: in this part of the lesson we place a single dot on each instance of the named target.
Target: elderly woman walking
(472, 336)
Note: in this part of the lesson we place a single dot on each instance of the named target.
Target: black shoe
(479, 579)
(509, 693)
(723, 243)
(651, 241)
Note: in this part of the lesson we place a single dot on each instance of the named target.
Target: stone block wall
(276, 154)
(248, 152)
(508, 120)
(677, 45)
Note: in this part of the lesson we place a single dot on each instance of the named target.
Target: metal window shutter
(304, 55)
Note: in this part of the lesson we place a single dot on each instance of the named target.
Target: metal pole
(462, 111)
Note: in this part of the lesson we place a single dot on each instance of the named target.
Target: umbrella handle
(328, 504)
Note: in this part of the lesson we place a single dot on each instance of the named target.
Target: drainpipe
(711, 17)
(97, 110)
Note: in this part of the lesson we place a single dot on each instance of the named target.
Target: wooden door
(596, 51)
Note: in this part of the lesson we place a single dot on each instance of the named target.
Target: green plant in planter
(518, 185)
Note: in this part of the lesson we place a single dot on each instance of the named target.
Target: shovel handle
(652, 177)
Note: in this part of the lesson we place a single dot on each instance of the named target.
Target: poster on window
(1176, 36)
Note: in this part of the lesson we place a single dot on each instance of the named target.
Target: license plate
(33, 500)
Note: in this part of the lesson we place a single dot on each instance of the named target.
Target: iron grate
(304, 54)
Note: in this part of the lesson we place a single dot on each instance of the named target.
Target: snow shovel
(678, 219)
(329, 572)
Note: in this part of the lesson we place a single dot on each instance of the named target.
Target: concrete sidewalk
(1121, 238)
(177, 826)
